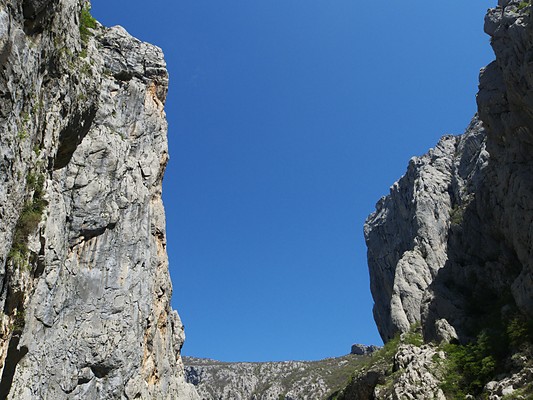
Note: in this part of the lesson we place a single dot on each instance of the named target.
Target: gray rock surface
(363, 350)
(496, 390)
(83, 263)
(407, 235)
(489, 266)
(506, 107)
(454, 232)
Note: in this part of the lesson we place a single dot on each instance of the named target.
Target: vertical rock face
(452, 242)
(506, 106)
(83, 265)
(407, 235)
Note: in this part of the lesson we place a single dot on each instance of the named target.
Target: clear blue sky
(288, 120)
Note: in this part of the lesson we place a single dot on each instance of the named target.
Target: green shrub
(23, 134)
(519, 330)
(470, 366)
(28, 221)
(523, 4)
(456, 215)
(19, 256)
(414, 335)
(86, 22)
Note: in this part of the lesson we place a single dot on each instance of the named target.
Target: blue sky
(288, 120)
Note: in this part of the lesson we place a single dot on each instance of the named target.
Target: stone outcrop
(288, 380)
(417, 367)
(408, 234)
(85, 290)
(363, 350)
(405, 368)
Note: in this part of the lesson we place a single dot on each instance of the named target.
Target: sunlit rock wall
(83, 263)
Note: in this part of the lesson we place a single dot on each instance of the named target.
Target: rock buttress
(407, 235)
(85, 288)
(451, 245)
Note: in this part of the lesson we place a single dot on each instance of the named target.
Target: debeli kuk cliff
(85, 290)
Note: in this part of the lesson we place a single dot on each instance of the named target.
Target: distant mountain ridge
(290, 380)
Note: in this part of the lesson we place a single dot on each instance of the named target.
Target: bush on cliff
(471, 366)
(28, 220)
(87, 22)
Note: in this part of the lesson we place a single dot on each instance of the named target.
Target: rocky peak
(407, 235)
(363, 350)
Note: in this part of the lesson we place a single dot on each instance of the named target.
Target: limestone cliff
(451, 247)
(455, 230)
(85, 290)
(407, 235)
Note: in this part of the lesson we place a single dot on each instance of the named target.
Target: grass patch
(28, 221)
(414, 335)
(380, 363)
(523, 4)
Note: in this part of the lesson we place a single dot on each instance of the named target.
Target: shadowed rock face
(85, 289)
(507, 112)
(455, 231)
